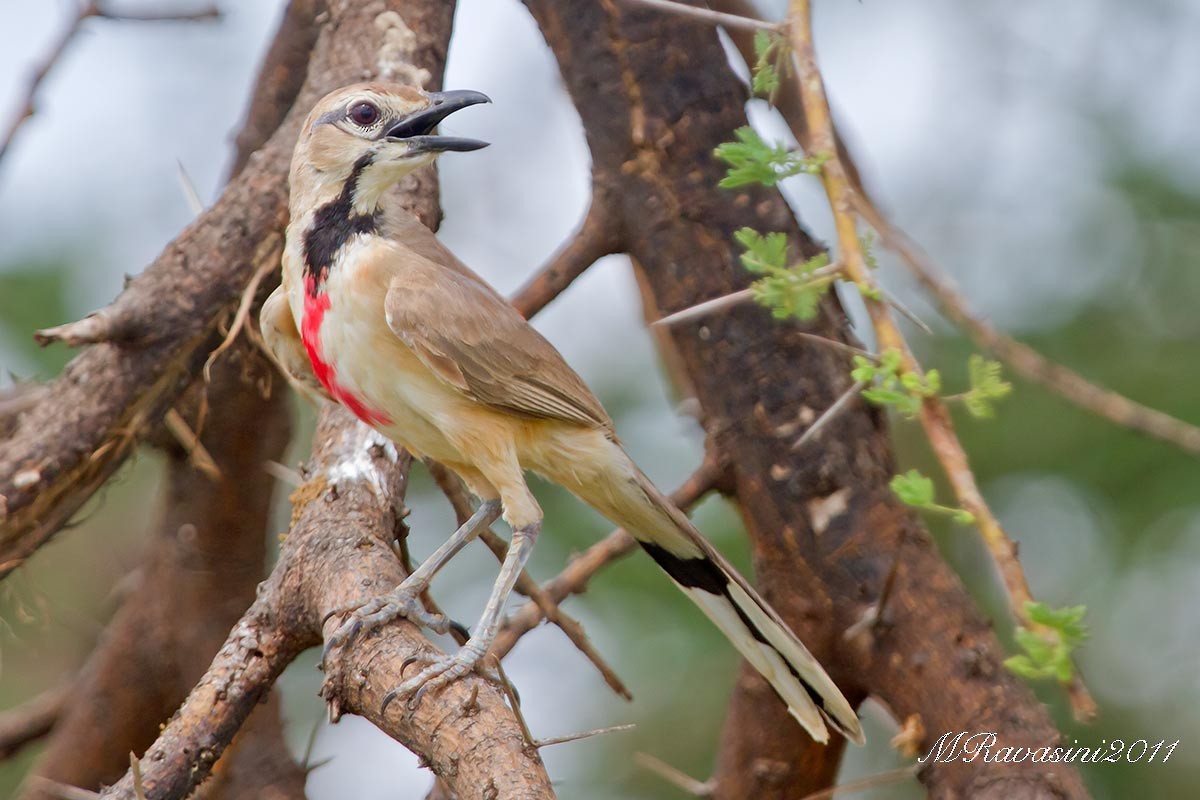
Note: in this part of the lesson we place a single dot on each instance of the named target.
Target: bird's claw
(441, 671)
(377, 611)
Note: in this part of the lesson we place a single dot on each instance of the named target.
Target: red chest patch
(316, 303)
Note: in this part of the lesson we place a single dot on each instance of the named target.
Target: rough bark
(347, 519)
(198, 576)
(347, 516)
(656, 97)
(152, 340)
(203, 563)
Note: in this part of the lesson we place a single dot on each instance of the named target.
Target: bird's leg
(405, 599)
(445, 669)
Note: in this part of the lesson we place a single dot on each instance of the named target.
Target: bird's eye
(364, 114)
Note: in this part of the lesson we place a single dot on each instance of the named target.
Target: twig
(61, 790)
(575, 576)
(514, 703)
(197, 453)
(32, 720)
(708, 16)
(869, 782)
(836, 345)
(830, 414)
(675, 777)
(267, 257)
(934, 416)
(452, 487)
(1026, 361)
(596, 237)
(92, 8)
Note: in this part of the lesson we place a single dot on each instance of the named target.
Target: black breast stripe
(333, 225)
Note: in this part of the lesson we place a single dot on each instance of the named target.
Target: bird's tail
(628, 498)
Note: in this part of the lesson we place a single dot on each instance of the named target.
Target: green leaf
(752, 161)
(913, 489)
(864, 369)
(1047, 652)
(1067, 621)
(764, 254)
(770, 50)
(986, 386)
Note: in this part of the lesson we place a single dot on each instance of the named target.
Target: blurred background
(1045, 155)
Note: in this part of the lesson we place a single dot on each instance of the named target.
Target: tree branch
(935, 418)
(341, 548)
(597, 236)
(823, 523)
(452, 487)
(1028, 362)
(575, 577)
(85, 11)
(65, 448)
(31, 720)
(198, 575)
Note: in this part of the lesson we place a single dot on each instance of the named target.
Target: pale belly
(366, 368)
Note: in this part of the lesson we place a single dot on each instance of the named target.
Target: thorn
(830, 414)
(514, 702)
(283, 474)
(705, 308)
(471, 705)
(189, 189)
(135, 767)
(905, 311)
(575, 737)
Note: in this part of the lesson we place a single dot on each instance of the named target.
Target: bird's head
(362, 139)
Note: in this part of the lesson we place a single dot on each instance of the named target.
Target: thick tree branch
(342, 548)
(598, 236)
(31, 720)
(823, 523)
(197, 578)
(63, 449)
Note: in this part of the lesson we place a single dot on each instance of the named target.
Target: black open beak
(417, 129)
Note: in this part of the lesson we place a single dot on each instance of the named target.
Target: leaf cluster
(772, 56)
(986, 387)
(789, 291)
(752, 161)
(893, 385)
(1049, 656)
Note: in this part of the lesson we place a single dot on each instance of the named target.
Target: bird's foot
(370, 614)
(440, 670)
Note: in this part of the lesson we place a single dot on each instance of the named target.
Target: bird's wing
(472, 339)
(283, 344)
